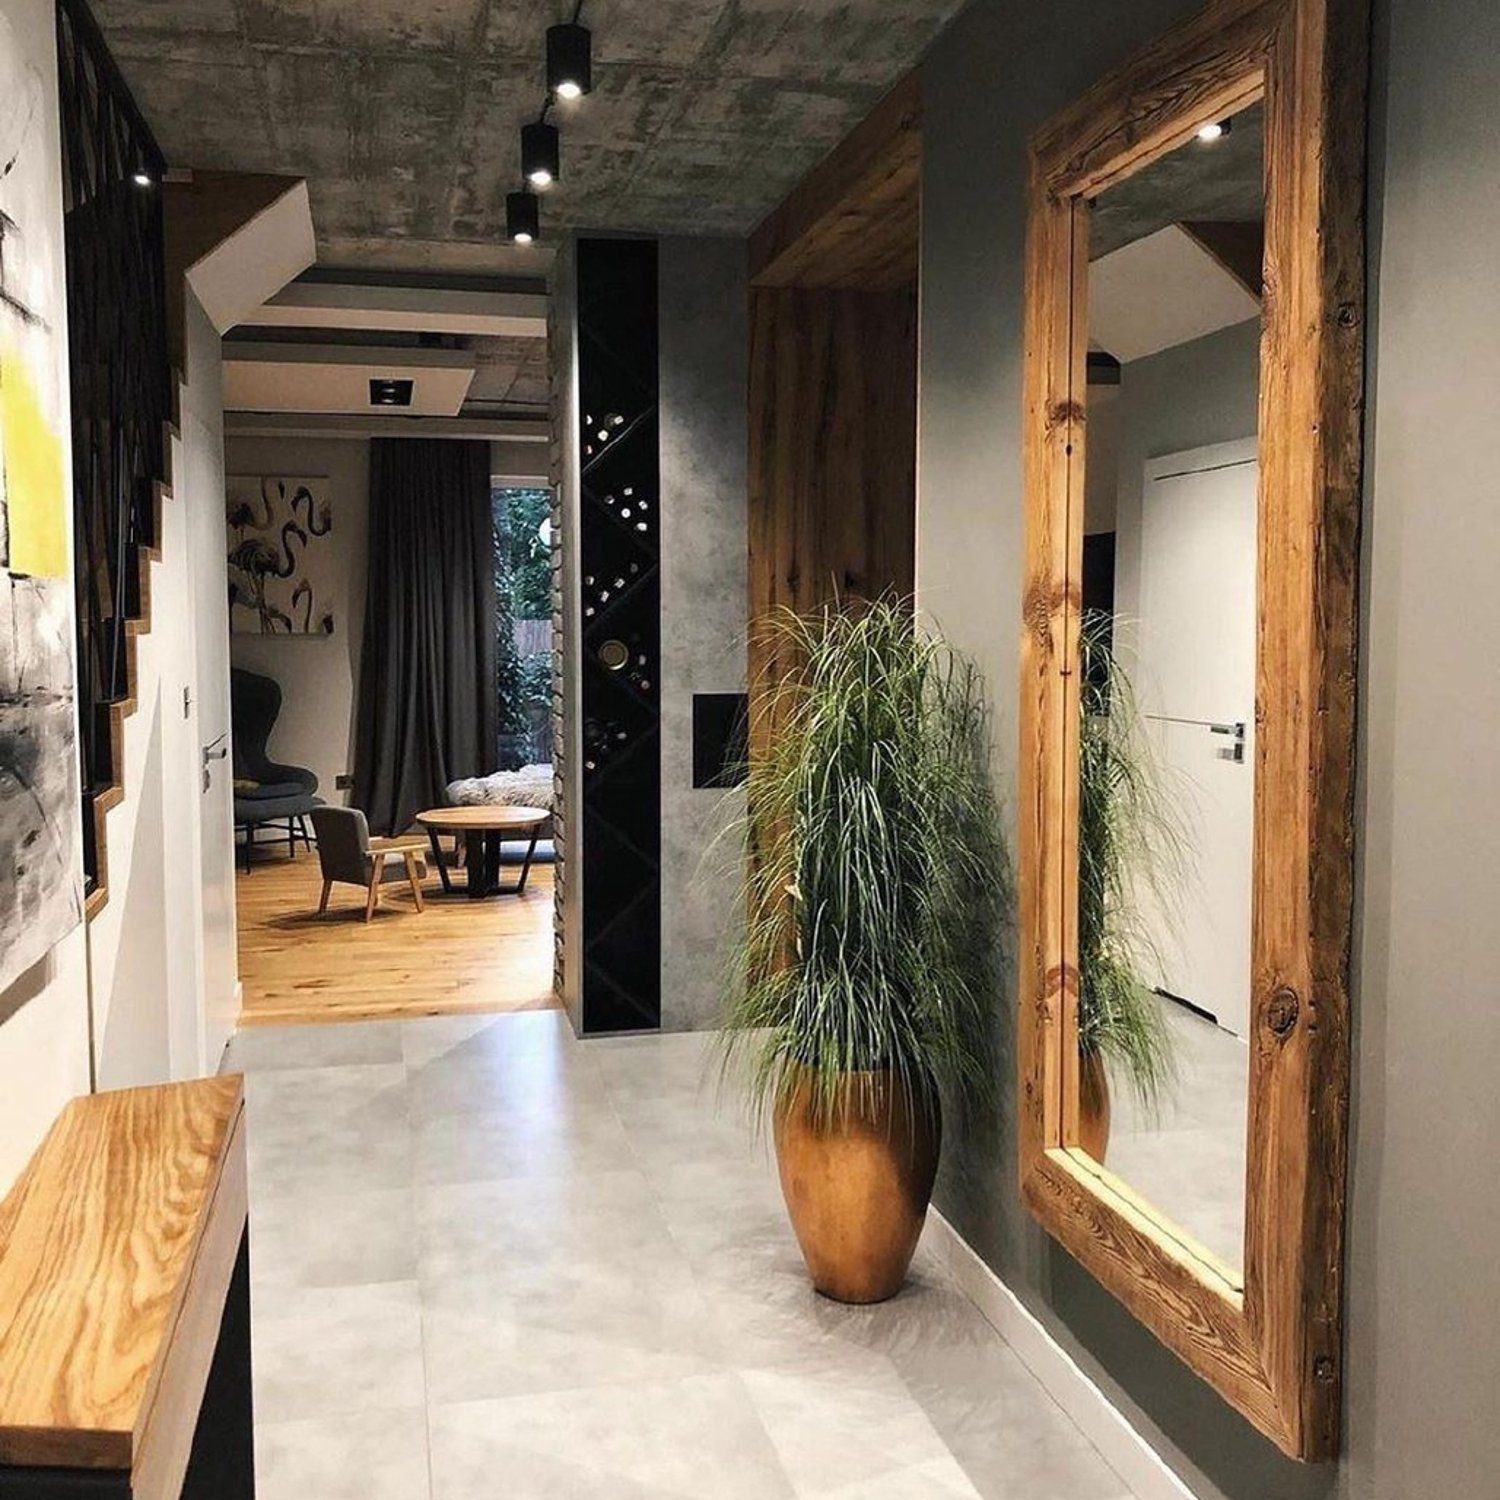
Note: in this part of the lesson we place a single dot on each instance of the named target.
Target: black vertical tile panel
(620, 604)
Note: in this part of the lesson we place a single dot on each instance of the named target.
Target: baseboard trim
(1096, 1416)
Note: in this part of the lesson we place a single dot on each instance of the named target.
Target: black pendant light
(570, 72)
(523, 218)
(541, 154)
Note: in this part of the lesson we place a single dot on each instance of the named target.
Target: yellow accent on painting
(32, 455)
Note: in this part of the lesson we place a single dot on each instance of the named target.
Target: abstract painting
(281, 564)
(41, 873)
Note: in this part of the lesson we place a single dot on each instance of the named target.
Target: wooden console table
(125, 1302)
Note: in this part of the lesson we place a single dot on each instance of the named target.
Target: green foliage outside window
(523, 591)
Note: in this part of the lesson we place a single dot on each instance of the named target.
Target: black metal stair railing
(120, 377)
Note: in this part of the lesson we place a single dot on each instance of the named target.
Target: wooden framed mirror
(1194, 346)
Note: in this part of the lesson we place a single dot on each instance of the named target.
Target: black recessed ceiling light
(570, 71)
(1213, 131)
(142, 178)
(523, 218)
(390, 392)
(541, 155)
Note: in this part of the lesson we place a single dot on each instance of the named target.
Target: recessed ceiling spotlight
(523, 217)
(570, 58)
(541, 154)
(1213, 130)
(388, 391)
(142, 178)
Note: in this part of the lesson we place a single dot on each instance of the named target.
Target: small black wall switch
(721, 749)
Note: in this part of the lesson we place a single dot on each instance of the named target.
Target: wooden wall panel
(833, 433)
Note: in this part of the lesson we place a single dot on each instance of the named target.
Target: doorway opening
(457, 914)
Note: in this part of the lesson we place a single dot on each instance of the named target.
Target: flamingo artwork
(281, 573)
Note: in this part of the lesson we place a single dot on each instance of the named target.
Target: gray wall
(1205, 391)
(703, 356)
(1422, 1360)
(1424, 1275)
(704, 351)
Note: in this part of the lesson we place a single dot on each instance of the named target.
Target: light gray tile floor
(489, 1259)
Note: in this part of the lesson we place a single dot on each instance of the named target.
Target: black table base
(482, 860)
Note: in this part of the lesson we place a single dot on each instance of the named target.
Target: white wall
(161, 951)
(201, 406)
(158, 1010)
(319, 675)
(44, 1053)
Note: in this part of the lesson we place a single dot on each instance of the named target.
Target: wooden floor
(456, 956)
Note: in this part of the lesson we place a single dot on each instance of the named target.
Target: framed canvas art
(281, 576)
(41, 871)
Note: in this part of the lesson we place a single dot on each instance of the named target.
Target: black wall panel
(119, 375)
(620, 606)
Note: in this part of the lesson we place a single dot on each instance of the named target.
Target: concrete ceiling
(1218, 180)
(403, 114)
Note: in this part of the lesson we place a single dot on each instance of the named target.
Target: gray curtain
(428, 700)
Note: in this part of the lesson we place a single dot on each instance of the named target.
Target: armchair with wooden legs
(349, 855)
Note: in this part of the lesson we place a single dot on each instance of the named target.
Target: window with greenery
(523, 622)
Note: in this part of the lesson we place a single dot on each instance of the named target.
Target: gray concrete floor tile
(664, 1440)
(377, 1456)
(337, 1351)
(339, 1239)
(558, 1270)
(265, 1049)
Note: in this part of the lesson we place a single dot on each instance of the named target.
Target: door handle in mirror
(1236, 751)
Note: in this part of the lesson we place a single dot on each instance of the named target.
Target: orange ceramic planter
(857, 1188)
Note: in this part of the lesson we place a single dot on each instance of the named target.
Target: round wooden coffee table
(484, 829)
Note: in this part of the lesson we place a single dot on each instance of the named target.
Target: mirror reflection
(1167, 732)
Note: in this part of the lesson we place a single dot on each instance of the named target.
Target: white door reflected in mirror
(1167, 724)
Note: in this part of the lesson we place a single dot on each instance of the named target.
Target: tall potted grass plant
(1129, 847)
(876, 880)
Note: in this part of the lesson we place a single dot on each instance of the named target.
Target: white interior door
(203, 485)
(1195, 686)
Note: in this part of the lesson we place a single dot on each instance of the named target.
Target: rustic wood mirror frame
(1271, 1345)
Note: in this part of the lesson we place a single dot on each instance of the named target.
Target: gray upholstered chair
(347, 853)
(266, 791)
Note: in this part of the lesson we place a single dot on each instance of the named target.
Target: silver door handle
(217, 750)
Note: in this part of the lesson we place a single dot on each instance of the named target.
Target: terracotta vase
(857, 1187)
(1093, 1106)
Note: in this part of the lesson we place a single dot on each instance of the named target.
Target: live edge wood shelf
(125, 1302)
